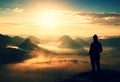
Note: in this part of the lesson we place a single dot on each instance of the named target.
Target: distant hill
(111, 42)
(81, 42)
(13, 55)
(34, 39)
(4, 40)
(66, 42)
(7, 40)
(22, 52)
(28, 45)
(17, 40)
(106, 42)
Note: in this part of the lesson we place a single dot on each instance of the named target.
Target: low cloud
(102, 18)
(18, 10)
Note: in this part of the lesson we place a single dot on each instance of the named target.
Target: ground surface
(106, 76)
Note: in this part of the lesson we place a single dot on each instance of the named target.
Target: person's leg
(98, 66)
(93, 68)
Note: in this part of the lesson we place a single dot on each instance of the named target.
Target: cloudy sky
(59, 17)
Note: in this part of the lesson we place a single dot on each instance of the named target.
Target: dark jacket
(95, 48)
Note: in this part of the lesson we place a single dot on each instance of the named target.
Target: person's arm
(90, 49)
(100, 48)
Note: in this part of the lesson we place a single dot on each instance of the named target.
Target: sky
(60, 17)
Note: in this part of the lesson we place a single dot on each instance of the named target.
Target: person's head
(95, 37)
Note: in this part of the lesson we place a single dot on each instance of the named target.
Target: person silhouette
(94, 52)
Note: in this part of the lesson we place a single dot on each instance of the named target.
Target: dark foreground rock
(106, 76)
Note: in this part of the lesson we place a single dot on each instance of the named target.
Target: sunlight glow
(48, 19)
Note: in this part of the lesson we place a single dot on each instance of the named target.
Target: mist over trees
(35, 62)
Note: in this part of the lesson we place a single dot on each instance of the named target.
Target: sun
(48, 19)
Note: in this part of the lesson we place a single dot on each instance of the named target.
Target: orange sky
(52, 19)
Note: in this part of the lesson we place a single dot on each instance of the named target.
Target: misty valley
(32, 59)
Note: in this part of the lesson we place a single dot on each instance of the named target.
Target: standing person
(94, 52)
